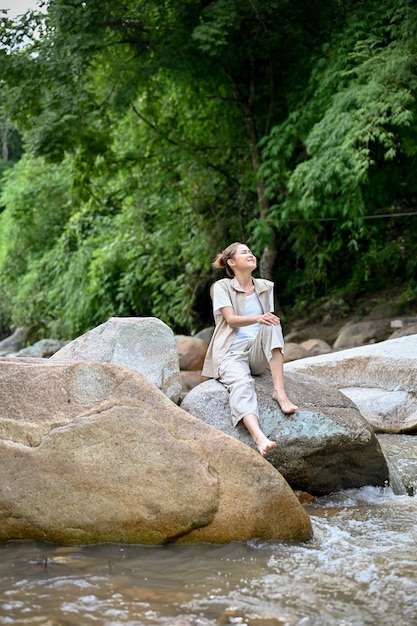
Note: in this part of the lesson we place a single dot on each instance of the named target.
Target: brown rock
(316, 346)
(192, 352)
(93, 452)
(191, 380)
(294, 351)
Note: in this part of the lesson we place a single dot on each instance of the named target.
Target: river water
(359, 569)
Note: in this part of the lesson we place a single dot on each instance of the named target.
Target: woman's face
(243, 258)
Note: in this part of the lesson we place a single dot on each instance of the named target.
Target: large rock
(387, 411)
(380, 378)
(404, 330)
(93, 452)
(316, 346)
(360, 333)
(42, 349)
(143, 344)
(192, 352)
(294, 351)
(14, 342)
(325, 446)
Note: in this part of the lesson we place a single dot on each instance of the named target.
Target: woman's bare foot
(287, 407)
(264, 444)
(261, 440)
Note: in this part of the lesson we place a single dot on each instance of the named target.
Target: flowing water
(359, 569)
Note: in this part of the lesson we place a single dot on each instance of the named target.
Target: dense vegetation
(142, 136)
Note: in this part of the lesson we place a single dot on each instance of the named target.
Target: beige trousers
(243, 361)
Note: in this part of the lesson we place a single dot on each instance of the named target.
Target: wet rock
(401, 452)
(93, 452)
(325, 446)
(143, 344)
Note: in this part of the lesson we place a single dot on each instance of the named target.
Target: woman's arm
(236, 321)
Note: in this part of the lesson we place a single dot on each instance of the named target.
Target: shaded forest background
(140, 137)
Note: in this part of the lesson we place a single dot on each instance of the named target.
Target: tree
(181, 126)
(345, 154)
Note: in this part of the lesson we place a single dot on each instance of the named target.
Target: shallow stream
(359, 569)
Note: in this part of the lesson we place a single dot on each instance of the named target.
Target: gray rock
(386, 411)
(143, 344)
(14, 342)
(325, 446)
(387, 367)
(405, 330)
(390, 365)
(205, 334)
(44, 348)
(93, 452)
(401, 453)
(360, 333)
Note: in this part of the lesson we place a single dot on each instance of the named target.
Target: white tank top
(252, 307)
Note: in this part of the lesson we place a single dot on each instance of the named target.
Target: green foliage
(326, 165)
(151, 128)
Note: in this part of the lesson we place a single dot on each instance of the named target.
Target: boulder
(192, 352)
(205, 334)
(404, 331)
(44, 348)
(325, 446)
(93, 452)
(380, 378)
(401, 453)
(143, 344)
(294, 351)
(14, 342)
(387, 411)
(359, 333)
(390, 365)
(316, 346)
(191, 380)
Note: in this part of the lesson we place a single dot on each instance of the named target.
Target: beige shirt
(223, 333)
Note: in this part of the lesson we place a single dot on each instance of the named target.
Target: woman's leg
(267, 351)
(261, 440)
(276, 365)
(235, 375)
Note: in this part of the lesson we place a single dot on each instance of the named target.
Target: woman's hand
(269, 319)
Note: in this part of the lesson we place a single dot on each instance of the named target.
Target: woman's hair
(221, 260)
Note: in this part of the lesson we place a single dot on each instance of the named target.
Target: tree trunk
(266, 263)
(4, 144)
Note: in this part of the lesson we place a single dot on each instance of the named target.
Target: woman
(246, 341)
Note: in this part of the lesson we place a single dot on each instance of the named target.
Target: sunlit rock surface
(93, 452)
(381, 379)
(144, 344)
